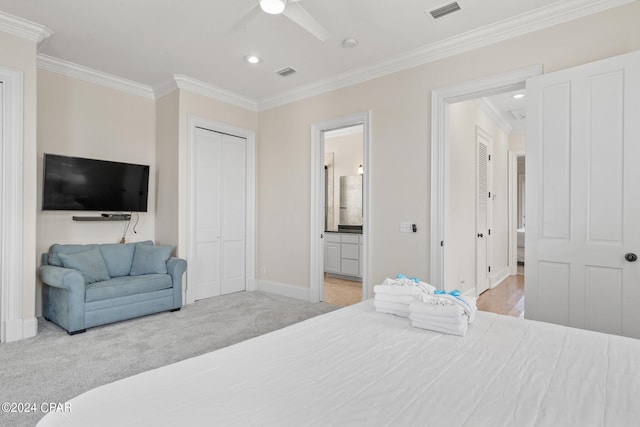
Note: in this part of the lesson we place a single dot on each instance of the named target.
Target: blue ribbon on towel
(413, 279)
(454, 293)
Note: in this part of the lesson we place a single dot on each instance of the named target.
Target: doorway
(441, 194)
(340, 171)
(343, 166)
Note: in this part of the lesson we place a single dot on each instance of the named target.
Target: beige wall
(400, 152)
(167, 148)
(460, 232)
(77, 118)
(517, 142)
(20, 54)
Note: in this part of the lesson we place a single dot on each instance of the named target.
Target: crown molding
(90, 75)
(525, 23)
(205, 89)
(165, 88)
(22, 28)
(494, 114)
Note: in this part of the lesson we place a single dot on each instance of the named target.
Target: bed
(356, 367)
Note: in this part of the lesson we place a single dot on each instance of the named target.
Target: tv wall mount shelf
(104, 217)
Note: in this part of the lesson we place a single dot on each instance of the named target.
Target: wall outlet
(263, 270)
(461, 280)
(407, 227)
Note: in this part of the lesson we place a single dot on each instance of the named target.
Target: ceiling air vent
(520, 114)
(286, 71)
(444, 10)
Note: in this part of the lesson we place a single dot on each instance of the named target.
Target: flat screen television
(79, 184)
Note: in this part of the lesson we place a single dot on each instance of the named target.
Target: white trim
(291, 291)
(208, 90)
(440, 100)
(536, 20)
(490, 109)
(343, 131)
(498, 277)
(195, 122)
(23, 28)
(12, 324)
(513, 210)
(316, 252)
(90, 75)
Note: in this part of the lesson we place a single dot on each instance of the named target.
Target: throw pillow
(89, 263)
(148, 259)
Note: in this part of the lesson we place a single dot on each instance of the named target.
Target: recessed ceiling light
(252, 59)
(518, 96)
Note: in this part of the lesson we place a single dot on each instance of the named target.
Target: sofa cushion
(56, 249)
(118, 257)
(88, 262)
(125, 286)
(150, 259)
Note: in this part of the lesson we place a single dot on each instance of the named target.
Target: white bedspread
(358, 367)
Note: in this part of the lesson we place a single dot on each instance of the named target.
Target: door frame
(12, 325)
(440, 100)
(195, 122)
(316, 279)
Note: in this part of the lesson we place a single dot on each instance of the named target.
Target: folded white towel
(448, 309)
(398, 299)
(462, 331)
(468, 304)
(447, 321)
(401, 310)
(405, 283)
(398, 290)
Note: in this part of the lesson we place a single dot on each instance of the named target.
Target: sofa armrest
(176, 268)
(60, 277)
(63, 297)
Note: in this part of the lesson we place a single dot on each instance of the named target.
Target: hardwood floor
(341, 292)
(506, 298)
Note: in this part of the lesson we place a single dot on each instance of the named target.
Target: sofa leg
(80, 331)
(175, 309)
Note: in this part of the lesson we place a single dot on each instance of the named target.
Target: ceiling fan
(289, 8)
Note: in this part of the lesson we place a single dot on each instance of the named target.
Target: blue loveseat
(91, 285)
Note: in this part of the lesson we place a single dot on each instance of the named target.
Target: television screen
(78, 184)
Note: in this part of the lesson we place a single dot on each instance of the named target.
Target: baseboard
(283, 289)
(19, 329)
(499, 277)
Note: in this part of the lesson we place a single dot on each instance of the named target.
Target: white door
(483, 200)
(219, 221)
(583, 203)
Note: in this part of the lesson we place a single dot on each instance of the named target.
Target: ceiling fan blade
(300, 16)
(246, 18)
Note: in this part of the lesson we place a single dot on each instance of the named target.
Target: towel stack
(394, 296)
(449, 313)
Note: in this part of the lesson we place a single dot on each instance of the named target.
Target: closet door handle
(480, 235)
(631, 257)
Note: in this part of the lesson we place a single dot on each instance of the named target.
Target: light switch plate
(406, 227)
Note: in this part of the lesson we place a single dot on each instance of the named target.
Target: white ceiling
(149, 41)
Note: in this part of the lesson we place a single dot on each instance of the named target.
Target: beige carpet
(54, 367)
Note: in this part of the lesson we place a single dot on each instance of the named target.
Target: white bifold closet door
(220, 214)
(583, 197)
